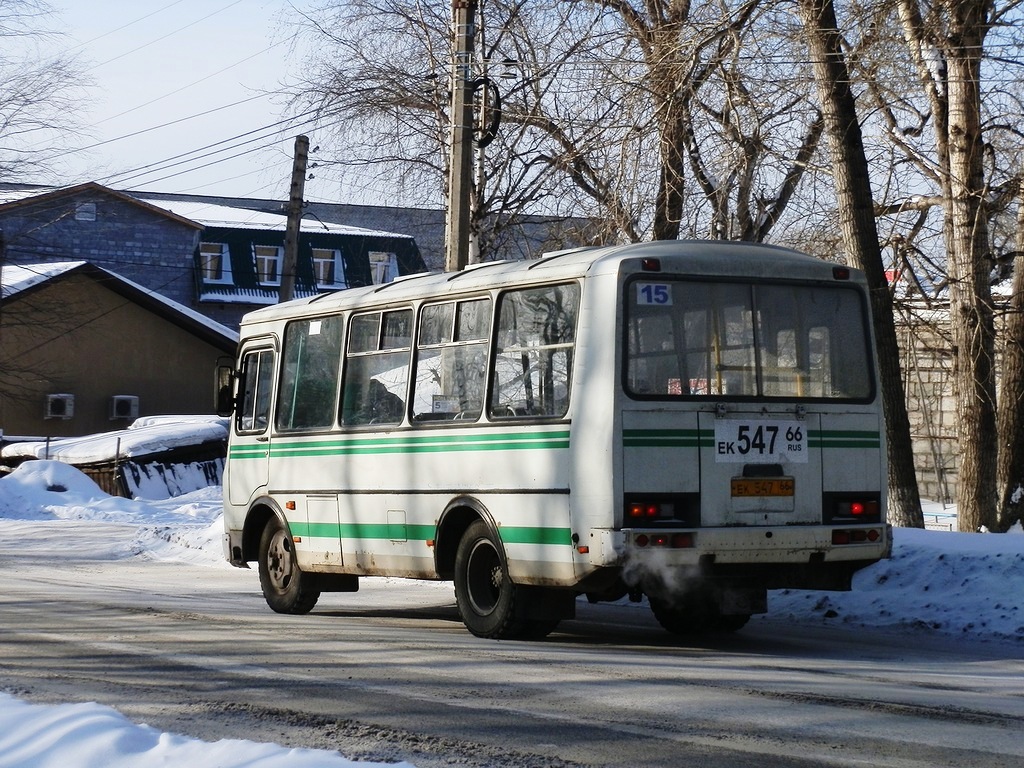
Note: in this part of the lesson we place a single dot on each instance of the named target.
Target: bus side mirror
(225, 390)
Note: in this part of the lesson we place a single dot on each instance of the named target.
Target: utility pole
(291, 233)
(461, 148)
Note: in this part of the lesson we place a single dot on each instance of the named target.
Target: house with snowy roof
(85, 350)
(217, 259)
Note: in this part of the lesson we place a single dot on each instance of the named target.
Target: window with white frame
(328, 268)
(268, 263)
(383, 267)
(215, 262)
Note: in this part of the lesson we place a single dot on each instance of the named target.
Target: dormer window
(329, 269)
(383, 267)
(268, 263)
(215, 262)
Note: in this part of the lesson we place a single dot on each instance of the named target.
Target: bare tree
(610, 106)
(40, 96)
(857, 221)
(946, 43)
(39, 100)
(1010, 421)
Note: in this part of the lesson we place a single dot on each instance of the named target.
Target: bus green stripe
(504, 441)
(248, 451)
(844, 438)
(695, 438)
(523, 534)
(534, 535)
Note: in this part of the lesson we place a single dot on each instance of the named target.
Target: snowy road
(391, 674)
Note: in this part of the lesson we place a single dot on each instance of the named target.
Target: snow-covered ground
(935, 582)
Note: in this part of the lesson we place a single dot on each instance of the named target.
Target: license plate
(760, 441)
(762, 486)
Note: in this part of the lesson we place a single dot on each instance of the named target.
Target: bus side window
(254, 397)
(309, 376)
(533, 360)
(451, 355)
(377, 368)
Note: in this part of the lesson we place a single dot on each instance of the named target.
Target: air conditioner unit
(124, 407)
(61, 406)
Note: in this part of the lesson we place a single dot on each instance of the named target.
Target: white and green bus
(694, 422)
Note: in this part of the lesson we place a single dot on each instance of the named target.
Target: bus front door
(248, 462)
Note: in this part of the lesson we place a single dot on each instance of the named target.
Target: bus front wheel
(285, 587)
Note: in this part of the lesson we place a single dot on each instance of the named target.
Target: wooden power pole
(291, 233)
(460, 179)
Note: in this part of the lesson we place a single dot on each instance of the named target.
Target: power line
(124, 26)
(189, 85)
(193, 155)
(162, 125)
(163, 37)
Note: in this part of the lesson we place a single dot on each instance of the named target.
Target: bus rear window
(707, 339)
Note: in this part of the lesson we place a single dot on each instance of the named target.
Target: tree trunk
(857, 222)
(970, 300)
(668, 208)
(1010, 421)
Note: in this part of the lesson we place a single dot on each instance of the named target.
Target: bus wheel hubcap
(280, 561)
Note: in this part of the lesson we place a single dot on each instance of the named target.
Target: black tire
(694, 613)
(285, 587)
(484, 593)
(678, 616)
(732, 623)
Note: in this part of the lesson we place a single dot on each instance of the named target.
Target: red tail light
(676, 540)
(842, 536)
(862, 509)
(645, 510)
(682, 540)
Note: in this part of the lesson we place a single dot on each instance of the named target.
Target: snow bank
(954, 583)
(92, 736)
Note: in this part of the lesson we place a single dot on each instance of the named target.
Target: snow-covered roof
(146, 436)
(205, 213)
(215, 215)
(14, 195)
(20, 277)
(16, 278)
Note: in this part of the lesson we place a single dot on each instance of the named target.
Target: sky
(936, 583)
(187, 95)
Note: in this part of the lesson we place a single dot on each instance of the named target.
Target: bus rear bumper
(804, 557)
(770, 544)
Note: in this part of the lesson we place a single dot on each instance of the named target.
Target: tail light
(843, 536)
(648, 510)
(861, 509)
(666, 540)
(851, 508)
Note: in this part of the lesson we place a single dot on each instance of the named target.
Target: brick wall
(136, 242)
(931, 404)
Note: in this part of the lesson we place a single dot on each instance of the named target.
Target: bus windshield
(688, 338)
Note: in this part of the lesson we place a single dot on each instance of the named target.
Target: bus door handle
(263, 439)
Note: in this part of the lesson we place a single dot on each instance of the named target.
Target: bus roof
(703, 257)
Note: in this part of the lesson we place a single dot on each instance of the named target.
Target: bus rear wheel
(694, 613)
(285, 587)
(486, 596)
